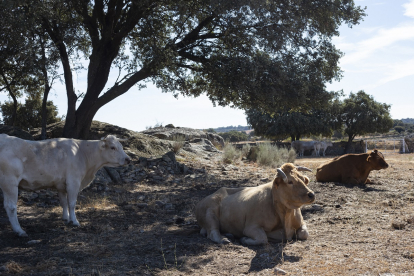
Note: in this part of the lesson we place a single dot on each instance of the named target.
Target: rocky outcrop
(170, 132)
(15, 131)
(409, 141)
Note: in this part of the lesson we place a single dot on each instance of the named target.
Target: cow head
(377, 161)
(292, 187)
(113, 152)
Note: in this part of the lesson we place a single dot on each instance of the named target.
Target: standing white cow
(68, 165)
(321, 145)
(301, 146)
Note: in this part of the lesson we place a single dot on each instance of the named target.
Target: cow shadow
(270, 255)
(362, 187)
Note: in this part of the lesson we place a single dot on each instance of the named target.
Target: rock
(16, 132)
(33, 241)
(142, 205)
(160, 203)
(114, 175)
(3, 268)
(398, 224)
(169, 133)
(279, 271)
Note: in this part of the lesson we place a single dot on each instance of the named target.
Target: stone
(114, 175)
(398, 224)
(279, 271)
(33, 241)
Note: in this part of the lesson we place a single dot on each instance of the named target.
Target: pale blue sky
(379, 59)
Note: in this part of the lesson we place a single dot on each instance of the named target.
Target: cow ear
(280, 177)
(102, 143)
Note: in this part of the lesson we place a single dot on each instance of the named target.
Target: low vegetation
(272, 156)
(230, 153)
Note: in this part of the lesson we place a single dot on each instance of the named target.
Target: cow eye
(290, 182)
(112, 148)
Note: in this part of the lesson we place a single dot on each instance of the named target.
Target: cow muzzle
(311, 197)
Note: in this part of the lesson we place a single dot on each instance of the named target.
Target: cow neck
(278, 206)
(90, 150)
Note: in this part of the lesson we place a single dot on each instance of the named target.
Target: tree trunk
(349, 143)
(46, 93)
(79, 128)
(44, 111)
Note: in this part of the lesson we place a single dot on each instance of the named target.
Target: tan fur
(256, 214)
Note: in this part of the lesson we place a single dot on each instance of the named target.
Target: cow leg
(213, 228)
(302, 233)
(255, 235)
(277, 235)
(10, 193)
(63, 196)
(72, 188)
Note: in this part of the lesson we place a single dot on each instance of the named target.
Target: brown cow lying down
(256, 214)
(351, 168)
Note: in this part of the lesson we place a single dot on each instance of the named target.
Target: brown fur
(351, 168)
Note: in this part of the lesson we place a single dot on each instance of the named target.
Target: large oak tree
(261, 54)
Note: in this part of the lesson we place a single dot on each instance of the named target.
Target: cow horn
(300, 168)
(282, 174)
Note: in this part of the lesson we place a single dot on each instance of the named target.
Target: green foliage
(272, 156)
(283, 124)
(361, 114)
(234, 136)
(261, 54)
(399, 129)
(212, 130)
(228, 128)
(28, 114)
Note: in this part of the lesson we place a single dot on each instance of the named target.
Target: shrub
(178, 143)
(230, 153)
(234, 136)
(272, 156)
(245, 150)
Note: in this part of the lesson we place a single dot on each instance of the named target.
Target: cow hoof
(225, 241)
(23, 235)
(229, 236)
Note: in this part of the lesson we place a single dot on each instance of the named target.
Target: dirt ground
(149, 228)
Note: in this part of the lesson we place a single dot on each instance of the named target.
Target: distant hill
(408, 121)
(229, 128)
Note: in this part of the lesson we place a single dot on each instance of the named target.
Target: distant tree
(408, 121)
(397, 123)
(361, 114)
(399, 129)
(28, 58)
(28, 114)
(210, 130)
(283, 124)
(234, 136)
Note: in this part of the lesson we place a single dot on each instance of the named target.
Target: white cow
(68, 165)
(301, 146)
(321, 145)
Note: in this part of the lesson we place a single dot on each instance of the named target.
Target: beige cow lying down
(257, 214)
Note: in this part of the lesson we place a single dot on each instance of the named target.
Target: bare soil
(148, 228)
